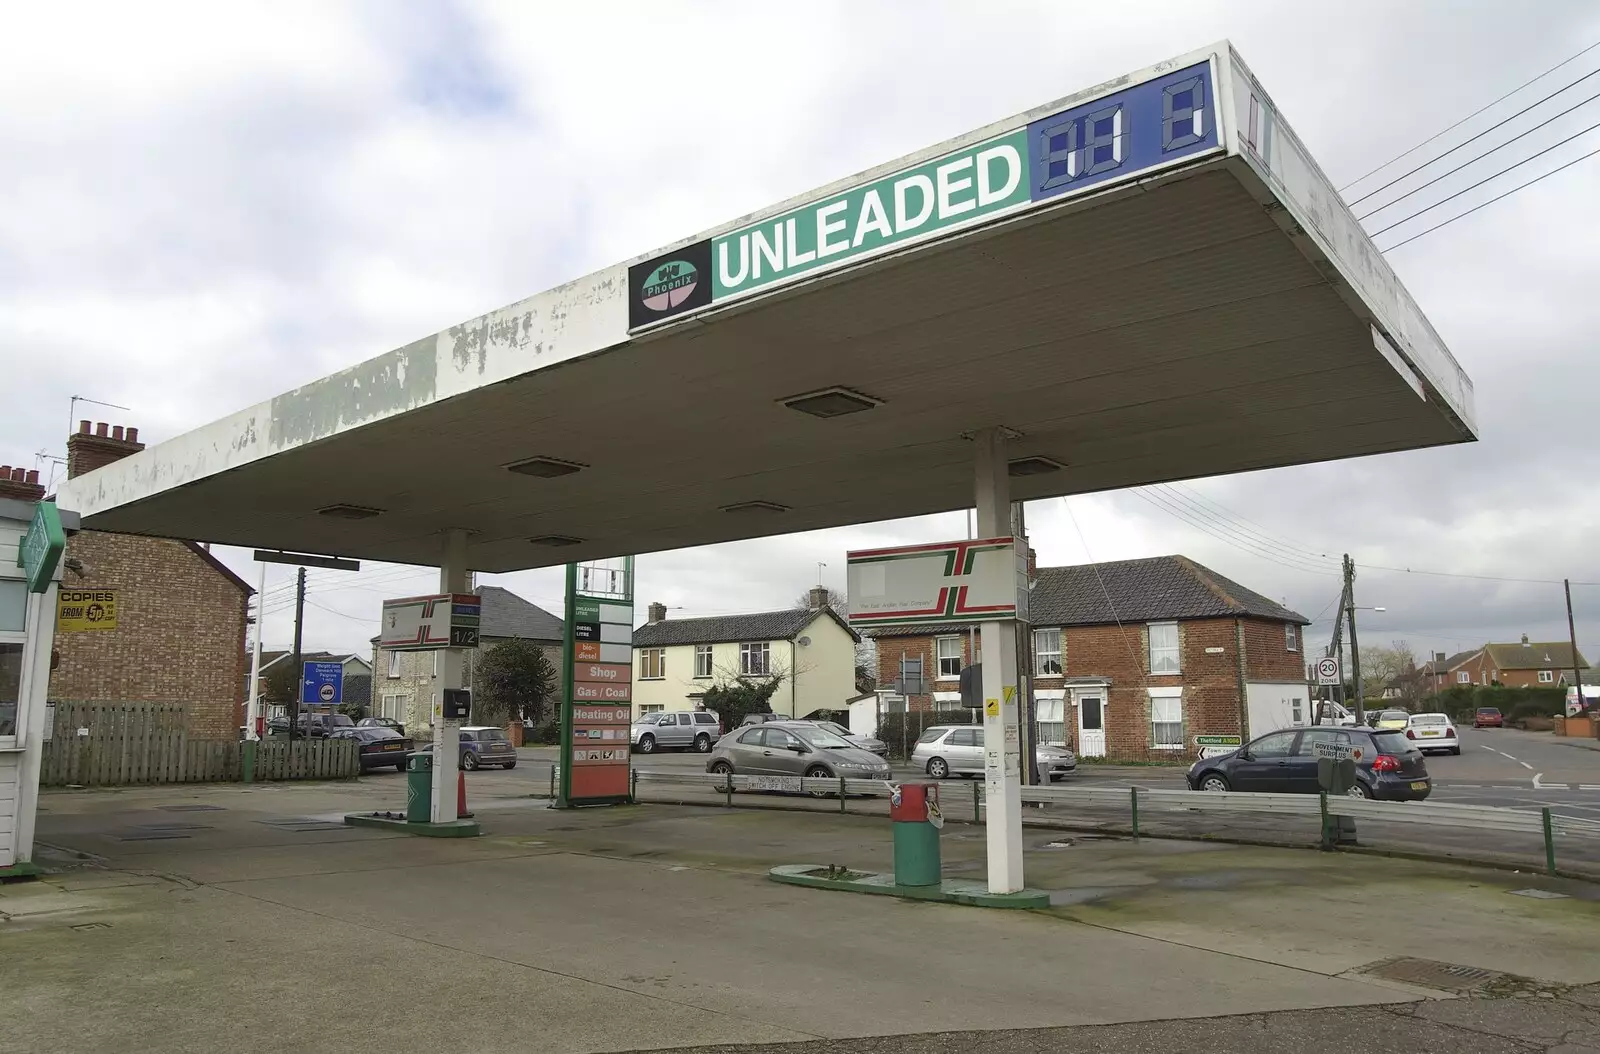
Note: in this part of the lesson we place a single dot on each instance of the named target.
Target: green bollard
(247, 761)
(1133, 796)
(1549, 842)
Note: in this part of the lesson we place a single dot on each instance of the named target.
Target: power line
(1452, 171)
(1475, 138)
(1491, 201)
(1438, 135)
(1261, 531)
(1237, 544)
(1487, 179)
(1481, 578)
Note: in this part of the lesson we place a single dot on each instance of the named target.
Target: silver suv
(677, 730)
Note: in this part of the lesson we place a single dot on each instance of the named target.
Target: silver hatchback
(794, 748)
(957, 750)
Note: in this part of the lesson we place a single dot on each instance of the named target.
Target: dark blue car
(1389, 766)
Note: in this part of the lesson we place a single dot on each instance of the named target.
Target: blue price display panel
(1118, 136)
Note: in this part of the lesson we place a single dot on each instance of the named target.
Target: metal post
(1133, 796)
(977, 817)
(1355, 649)
(841, 795)
(1327, 830)
(252, 714)
(453, 578)
(1549, 842)
(633, 786)
(299, 670)
(727, 789)
(1572, 635)
(1002, 756)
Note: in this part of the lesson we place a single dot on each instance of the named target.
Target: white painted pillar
(40, 625)
(253, 714)
(453, 578)
(1002, 768)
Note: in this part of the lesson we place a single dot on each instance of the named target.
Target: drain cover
(1447, 977)
(1538, 894)
(190, 808)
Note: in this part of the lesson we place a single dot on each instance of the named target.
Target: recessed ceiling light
(831, 402)
(546, 467)
(1032, 466)
(755, 506)
(556, 539)
(349, 512)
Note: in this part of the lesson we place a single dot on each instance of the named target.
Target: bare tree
(1387, 668)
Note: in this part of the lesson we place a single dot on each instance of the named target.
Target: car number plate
(1419, 785)
(1430, 733)
(391, 746)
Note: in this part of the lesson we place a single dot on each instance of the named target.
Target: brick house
(1528, 664)
(403, 682)
(181, 614)
(1134, 658)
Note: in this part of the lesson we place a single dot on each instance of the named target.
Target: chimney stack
(658, 613)
(20, 484)
(89, 449)
(819, 597)
(1525, 643)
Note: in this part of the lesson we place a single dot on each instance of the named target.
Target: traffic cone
(461, 796)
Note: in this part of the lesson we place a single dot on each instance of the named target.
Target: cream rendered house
(812, 649)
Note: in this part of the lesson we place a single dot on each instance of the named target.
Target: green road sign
(1218, 741)
(42, 547)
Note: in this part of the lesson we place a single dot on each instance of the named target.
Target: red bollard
(461, 796)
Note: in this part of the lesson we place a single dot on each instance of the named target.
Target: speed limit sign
(1328, 670)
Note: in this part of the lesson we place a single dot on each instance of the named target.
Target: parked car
(957, 750)
(758, 718)
(871, 744)
(676, 730)
(310, 726)
(794, 748)
(1388, 765)
(1433, 732)
(1390, 720)
(380, 747)
(485, 745)
(382, 722)
(1488, 717)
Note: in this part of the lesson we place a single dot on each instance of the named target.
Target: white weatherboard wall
(1272, 705)
(20, 753)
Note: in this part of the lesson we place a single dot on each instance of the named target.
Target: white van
(1334, 714)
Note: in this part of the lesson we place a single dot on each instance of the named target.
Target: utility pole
(1572, 634)
(1355, 648)
(299, 672)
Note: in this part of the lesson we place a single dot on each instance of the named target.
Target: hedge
(901, 731)
(1515, 704)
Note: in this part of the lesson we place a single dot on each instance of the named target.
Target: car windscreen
(821, 738)
(340, 721)
(373, 734)
(1394, 715)
(1486, 711)
(932, 734)
(1394, 743)
(1430, 719)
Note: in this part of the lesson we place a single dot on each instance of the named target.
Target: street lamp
(1355, 659)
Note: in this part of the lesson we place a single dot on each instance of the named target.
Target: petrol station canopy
(1144, 281)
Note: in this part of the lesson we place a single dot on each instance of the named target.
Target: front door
(1091, 726)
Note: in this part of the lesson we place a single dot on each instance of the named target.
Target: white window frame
(1174, 651)
(1042, 656)
(748, 650)
(1161, 699)
(651, 708)
(1547, 677)
(1291, 637)
(703, 651)
(1463, 676)
(394, 666)
(652, 657)
(939, 659)
(21, 641)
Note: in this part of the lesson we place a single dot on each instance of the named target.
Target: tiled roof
(724, 629)
(1153, 589)
(507, 615)
(1551, 655)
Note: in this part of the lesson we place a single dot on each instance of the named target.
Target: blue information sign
(322, 683)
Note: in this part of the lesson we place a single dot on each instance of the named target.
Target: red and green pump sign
(42, 547)
(597, 687)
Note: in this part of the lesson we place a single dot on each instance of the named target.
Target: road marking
(1525, 765)
(1589, 786)
(1488, 748)
(1504, 754)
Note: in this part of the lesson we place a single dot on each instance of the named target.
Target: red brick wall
(890, 650)
(1210, 679)
(22, 484)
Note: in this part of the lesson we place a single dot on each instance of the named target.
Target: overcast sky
(205, 205)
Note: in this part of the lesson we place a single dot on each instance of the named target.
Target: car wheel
(1214, 781)
(702, 744)
(819, 772)
(721, 768)
(938, 768)
(510, 765)
(400, 767)
(469, 761)
(647, 744)
(1456, 752)
(1359, 790)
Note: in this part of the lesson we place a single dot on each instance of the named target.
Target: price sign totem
(597, 684)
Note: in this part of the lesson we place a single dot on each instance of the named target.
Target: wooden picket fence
(123, 744)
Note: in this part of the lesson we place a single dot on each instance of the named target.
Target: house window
(10, 687)
(1291, 636)
(1164, 648)
(652, 664)
(702, 660)
(1047, 653)
(1463, 676)
(1547, 676)
(755, 659)
(394, 707)
(948, 652)
(1166, 719)
(394, 664)
(651, 708)
(1051, 720)
(1297, 711)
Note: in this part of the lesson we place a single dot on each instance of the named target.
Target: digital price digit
(1183, 114)
(1083, 146)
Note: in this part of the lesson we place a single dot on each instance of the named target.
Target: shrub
(900, 731)
(546, 734)
(1517, 704)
